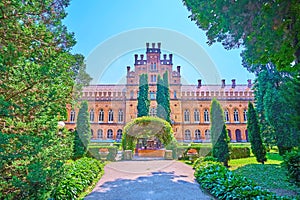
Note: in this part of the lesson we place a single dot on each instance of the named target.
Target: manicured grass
(271, 175)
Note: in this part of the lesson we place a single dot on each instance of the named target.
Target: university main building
(112, 106)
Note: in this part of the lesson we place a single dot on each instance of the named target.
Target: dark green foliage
(163, 97)
(83, 132)
(145, 127)
(224, 184)
(273, 102)
(292, 163)
(219, 135)
(143, 100)
(258, 149)
(94, 152)
(36, 84)
(268, 31)
(78, 176)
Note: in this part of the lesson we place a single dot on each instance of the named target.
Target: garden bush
(79, 175)
(292, 163)
(94, 152)
(224, 184)
(237, 152)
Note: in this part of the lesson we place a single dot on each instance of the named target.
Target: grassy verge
(271, 175)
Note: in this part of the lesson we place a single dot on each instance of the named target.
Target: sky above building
(109, 33)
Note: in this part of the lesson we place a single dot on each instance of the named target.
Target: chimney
(158, 45)
(153, 45)
(147, 45)
(223, 83)
(142, 57)
(135, 58)
(128, 69)
(165, 56)
(199, 83)
(233, 83)
(249, 83)
(171, 57)
(178, 69)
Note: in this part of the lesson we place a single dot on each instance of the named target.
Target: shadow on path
(157, 185)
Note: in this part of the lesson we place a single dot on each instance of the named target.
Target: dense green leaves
(292, 163)
(83, 131)
(145, 127)
(219, 135)
(143, 100)
(258, 149)
(163, 97)
(36, 83)
(268, 30)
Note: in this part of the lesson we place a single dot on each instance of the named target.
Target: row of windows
(197, 135)
(206, 115)
(100, 115)
(109, 134)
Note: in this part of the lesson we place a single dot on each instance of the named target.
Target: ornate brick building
(112, 106)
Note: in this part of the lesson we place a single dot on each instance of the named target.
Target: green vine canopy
(146, 126)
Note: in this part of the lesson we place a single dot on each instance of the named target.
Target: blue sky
(94, 22)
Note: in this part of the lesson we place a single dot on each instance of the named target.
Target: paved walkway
(147, 180)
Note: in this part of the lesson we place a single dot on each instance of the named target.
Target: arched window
(119, 134)
(120, 116)
(196, 116)
(197, 134)
(101, 116)
(187, 134)
(229, 134)
(100, 134)
(236, 115)
(206, 116)
(110, 115)
(92, 115)
(238, 135)
(226, 114)
(72, 116)
(152, 112)
(186, 116)
(207, 134)
(245, 115)
(109, 134)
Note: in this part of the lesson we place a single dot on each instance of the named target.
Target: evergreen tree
(219, 135)
(83, 132)
(257, 146)
(143, 100)
(163, 97)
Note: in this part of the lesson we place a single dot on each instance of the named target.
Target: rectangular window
(153, 78)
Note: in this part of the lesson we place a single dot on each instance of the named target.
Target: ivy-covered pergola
(145, 127)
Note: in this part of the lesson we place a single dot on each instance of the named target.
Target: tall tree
(219, 135)
(257, 146)
(267, 30)
(143, 99)
(163, 97)
(272, 97)
(83, 131)
(36, 84)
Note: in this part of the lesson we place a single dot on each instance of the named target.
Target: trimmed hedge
(94, 152)
(224, 184)
(236, 152)
(292, 163)
(79, 175)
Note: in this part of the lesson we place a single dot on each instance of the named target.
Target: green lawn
(271, 175)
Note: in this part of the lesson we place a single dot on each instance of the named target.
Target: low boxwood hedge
(79, 175)
(94, 152)
(224, 184)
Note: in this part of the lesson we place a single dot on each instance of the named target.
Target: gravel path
(147, 180)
